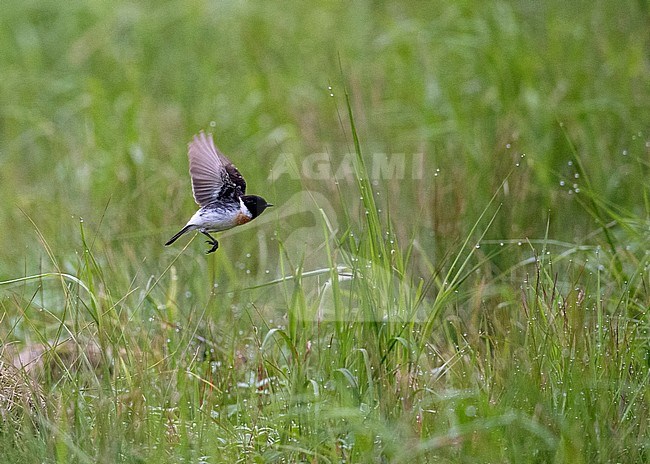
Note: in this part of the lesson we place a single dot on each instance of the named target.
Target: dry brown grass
(20, 396)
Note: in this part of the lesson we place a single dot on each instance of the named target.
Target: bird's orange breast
(242, 219)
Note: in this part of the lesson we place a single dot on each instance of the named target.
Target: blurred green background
(545, 104)
(99, 99)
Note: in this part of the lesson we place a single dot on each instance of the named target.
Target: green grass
(492, 310)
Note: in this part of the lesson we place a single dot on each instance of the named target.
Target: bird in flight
(219, 189)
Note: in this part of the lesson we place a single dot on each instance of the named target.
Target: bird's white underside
(211, 219)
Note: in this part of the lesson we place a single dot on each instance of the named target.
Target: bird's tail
(187, 228)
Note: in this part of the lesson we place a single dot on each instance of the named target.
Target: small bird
(218, 189)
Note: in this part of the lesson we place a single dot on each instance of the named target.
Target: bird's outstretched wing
(213, 175)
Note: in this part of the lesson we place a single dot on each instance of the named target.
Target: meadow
(456, 268)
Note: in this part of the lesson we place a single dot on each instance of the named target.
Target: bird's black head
(256, 205)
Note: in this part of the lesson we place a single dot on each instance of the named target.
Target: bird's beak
(269, 204)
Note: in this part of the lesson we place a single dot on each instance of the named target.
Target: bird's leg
(212, 242)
